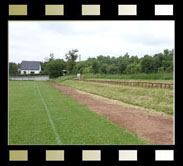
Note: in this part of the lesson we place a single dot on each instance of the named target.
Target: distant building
(30, 67)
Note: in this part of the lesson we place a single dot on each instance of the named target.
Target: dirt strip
(155, 127)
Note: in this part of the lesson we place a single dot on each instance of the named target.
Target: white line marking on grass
(49, 117)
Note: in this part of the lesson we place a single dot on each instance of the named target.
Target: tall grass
(63, 78)
(141, 76)
(158, 99)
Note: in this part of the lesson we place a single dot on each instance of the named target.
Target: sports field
(41, 115)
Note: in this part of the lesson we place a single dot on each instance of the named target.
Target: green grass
(158, 99)
(140, 76)
(75, 124)
(63, 78)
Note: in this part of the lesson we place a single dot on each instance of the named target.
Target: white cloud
(31, 40)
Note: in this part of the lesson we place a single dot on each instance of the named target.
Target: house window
(32, 72)
(24, 72)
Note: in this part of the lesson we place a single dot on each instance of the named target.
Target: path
(155, 127)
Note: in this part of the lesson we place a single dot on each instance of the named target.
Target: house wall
(29, 71)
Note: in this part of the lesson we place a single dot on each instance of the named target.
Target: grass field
(41, 115)
(151, 98)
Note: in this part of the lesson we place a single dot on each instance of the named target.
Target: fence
(142, 84)
(29, 78)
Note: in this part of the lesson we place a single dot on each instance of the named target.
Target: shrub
(133, 68)
(55, 68)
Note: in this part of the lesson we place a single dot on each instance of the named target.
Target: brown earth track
(154, 127)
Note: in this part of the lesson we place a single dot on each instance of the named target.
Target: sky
(36, 40)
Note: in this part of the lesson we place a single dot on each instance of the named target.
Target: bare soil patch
(154, 127)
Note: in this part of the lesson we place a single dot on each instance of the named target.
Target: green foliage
(159, 63)
(103, 69)
(71, 58)
(104, 59)
(139, 76)
(51, 57)
(134, 59)
(112, 69)
(169, 69)
(95, 66)
(133, 68)
(13, 69)
(54, 68)
(63, 78)
(79, 67)
(147, 64)
(87, 70)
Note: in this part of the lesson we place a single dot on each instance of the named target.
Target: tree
(87, 70)
(104, 59)
(167, 65)
(13, 68)
(158, 59)
(95, 66)
(51, 57)
(55, 68)
(71, 58)
(103, 69)
(163, 62)
(133, 68)
(112, 69)
(168, 52)
(122, 66)
(134, 59)
(123, 61)
(79, 67)
(147, 64)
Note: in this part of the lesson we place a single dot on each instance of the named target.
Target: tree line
(124, 64)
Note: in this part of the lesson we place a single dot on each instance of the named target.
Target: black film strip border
(108, 9)
(73, 154)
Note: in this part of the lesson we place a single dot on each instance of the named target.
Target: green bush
(55, 68)
(133, 68)
(87, 70)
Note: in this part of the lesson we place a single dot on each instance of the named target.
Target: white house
(30, 67)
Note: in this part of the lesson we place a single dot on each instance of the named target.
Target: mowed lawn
(41, 115)
(158, 99)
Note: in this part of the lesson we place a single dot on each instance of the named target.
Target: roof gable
(30, 65)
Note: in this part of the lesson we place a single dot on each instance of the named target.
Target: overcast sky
(35, 40)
